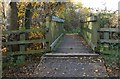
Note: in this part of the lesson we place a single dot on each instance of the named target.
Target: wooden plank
(69, 54)
(28, 52)
(108, 30)
(109, 41)
(22, 31)
(24, 42)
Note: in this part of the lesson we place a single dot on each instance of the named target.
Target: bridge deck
(73, 43)
(70, 67)
(71, 59)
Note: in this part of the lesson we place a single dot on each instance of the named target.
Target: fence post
(98, 44)
(47, 33)
(21, 59)
(95, 35)
(106, 37)
(22, 46)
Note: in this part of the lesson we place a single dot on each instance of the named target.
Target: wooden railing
(105, 39)
(106, 32)
(53, 32)
(90, 30)
(100, 38)
(22, 42)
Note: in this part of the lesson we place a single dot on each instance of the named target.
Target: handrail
(55, 42)
(52, 35)
(22, 31)
(24, 42)
(108, 30)
(109, 41)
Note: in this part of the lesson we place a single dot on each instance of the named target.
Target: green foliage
(77, 30)
(20, 59)
(73, 14)
(112, 60)
(36, 13)
(14, 61)
(109, 51)
(111, 55)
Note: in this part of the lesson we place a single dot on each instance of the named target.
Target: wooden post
(51, 32)
(21, 59)
(47, 32)
(22, 46)
(106, 37)
(95, 35)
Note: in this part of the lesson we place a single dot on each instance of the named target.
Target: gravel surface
(71, 67)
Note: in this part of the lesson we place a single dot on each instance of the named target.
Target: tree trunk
(14, 17)
(28, 19)
(14, 25)
(28, 16)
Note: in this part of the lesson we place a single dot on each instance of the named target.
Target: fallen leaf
(96, 70)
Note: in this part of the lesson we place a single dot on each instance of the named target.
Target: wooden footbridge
(71, 59)
(66, 55)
